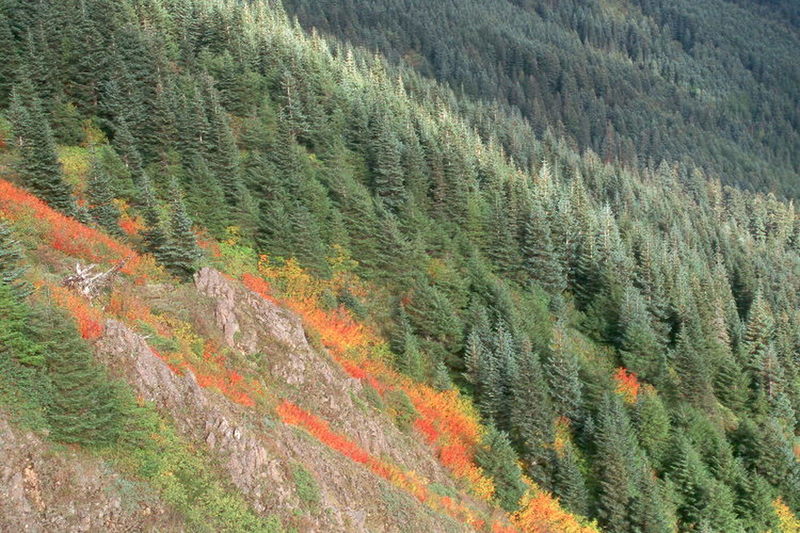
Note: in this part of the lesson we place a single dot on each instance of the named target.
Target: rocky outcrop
(259, 455)
(252, 324)
(44, 490)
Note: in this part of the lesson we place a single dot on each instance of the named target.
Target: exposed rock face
(259, 456)
(253, 324)
(42, 490)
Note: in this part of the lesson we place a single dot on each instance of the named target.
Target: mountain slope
(709, 83)
(626, 337)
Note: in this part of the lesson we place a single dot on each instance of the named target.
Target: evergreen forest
(577, 214)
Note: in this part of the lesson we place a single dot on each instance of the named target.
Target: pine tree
(126, 146)
(497, 459)
(532, 417)
(387, 171)
(8, 61)
(759, 332)
(84, 407)
(731, 384)
(39, 166)
(11, 271)
(568, 483)
(562, 375)
(539, 258)
(691, 479)
(650, 511)
(441, 377)
(223, 154)
(639, 343)
(720, 514)
(695, 379)
(100, 197)
(612, 461)
(652, 424)
(154, 236)
(181, 253)
(411, 360)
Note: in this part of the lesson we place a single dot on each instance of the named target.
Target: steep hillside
(349, 299)
(228, 374)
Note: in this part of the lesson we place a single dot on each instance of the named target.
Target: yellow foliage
(75, 162)
(789, 523)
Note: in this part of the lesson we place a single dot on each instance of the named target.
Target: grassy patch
(306, 485)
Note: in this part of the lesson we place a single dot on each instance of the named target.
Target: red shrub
(63, 233)
(627, 385)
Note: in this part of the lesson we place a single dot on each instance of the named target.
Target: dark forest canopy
(710, 81)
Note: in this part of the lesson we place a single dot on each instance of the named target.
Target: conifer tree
(650, 510)
(387, 171)
(731, 384)
(562, 375)
(39, 166)
(759, 332)
(639, 343)
(720, 514)
(11, 271)
(695, 381)
(691, 479)
(532, 417)
(652, 424)
(8, 61)
(181, 253)
(612, 460)
(154, 235)
(539, 258)
(497, 459)
(84, 407)
(568, 483)
(100, 196)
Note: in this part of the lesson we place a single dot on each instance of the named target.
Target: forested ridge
(626, 323)
(713, 82)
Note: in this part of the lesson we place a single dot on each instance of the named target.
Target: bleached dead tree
(90, 283)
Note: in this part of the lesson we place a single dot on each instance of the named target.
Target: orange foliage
(211, 246)
(227, 385)
(294, 415)
(131, 226)
(447, 419)
(63, 233)
(497, 527)
(541, 513)
(88, 319)
(411, 482)
(359, 373)
(128, 307)
(427, 429)
(627, 385)
(258, 286)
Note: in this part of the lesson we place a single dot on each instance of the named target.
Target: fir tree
(497, 459)
(100, 197)
(11, 270)
(532, 417)
(562, 375)
(84, 407)
(181, 253)
(568, 483)
(386, 167)
(8, 61)
(39, 166)
(539, 257)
